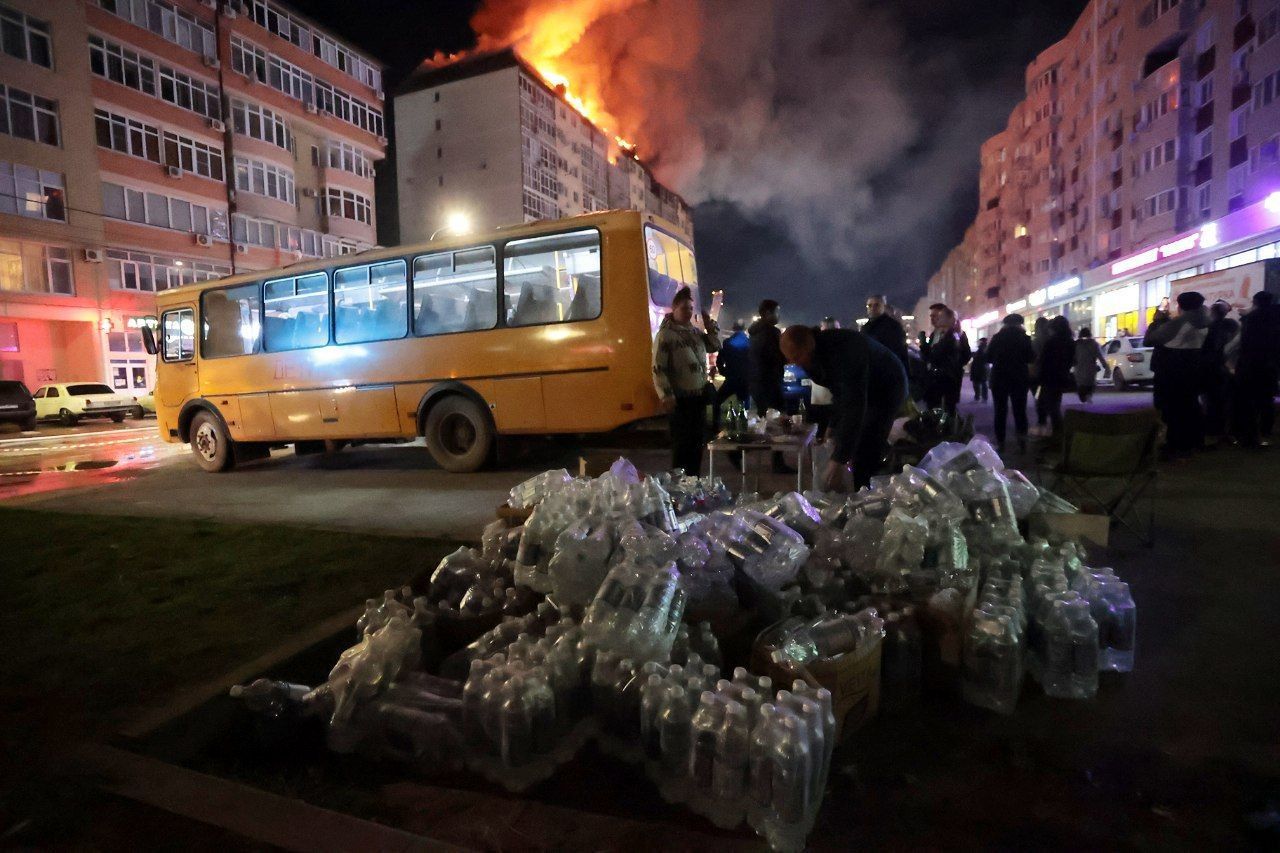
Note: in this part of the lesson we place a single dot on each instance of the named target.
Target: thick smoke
(812, 118)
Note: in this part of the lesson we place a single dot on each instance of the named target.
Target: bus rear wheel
(459, 434)
(210, 443)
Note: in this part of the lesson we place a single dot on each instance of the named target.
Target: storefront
(128, 366)
(1117, 309)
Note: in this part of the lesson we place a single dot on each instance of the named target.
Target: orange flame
(542, 34)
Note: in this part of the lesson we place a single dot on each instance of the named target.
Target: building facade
(145, 144)
(487, 138)
(1146, 149)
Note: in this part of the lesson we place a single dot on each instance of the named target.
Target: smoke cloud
(816, 124)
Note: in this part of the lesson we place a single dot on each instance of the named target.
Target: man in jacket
(978, 372)
(868, 387)
(1257, 371)
(1217, 378)
(767, 367)
(1179, 369)
(882, 326)
(767, 363)
(1011, 355)
(945, 354)
(680, 377)
(734, 364)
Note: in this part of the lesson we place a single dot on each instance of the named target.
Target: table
(798, 443)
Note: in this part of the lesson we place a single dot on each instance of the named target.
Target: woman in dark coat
(1053, 368)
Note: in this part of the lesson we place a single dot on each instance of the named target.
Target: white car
(68, 402)
(1128, 362)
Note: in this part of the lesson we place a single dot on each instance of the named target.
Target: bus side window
(370, 302)
(552, 279)
(230, 323)
(455, 292)
(297, 312)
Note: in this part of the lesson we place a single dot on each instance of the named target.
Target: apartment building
(487, 138)
(145, 144)
(1146, 149)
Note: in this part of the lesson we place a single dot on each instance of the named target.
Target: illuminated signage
(1015, 306)
(1038, 297)
(986, 319)
(1205, 238)
(140, 322)
(1063, 287)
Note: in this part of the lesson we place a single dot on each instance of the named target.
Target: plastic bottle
(1118, 630)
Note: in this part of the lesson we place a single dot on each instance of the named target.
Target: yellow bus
(539, 328)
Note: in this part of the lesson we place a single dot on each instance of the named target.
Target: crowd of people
(1215, 377)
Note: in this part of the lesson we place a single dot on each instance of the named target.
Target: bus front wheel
(459, 434)
(210, 443)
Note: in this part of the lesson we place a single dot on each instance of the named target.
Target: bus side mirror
(149, 340)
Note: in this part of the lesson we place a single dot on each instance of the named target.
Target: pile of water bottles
(597, 609)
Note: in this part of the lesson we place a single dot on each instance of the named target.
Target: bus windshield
(671, 267)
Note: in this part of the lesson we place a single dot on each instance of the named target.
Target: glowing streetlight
(456, 223)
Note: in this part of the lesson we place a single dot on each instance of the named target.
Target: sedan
(1128, 362)
(67, 403)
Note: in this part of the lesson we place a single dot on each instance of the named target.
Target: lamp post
(456, 223)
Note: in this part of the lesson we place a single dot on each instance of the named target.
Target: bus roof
(445, 243)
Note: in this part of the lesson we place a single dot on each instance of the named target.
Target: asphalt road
(126, 469)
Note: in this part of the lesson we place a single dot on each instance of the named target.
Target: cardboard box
(1094, 529)
(853, 679)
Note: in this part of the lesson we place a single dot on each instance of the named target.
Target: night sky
(899, 96)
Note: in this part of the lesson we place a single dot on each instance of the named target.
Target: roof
(428, 76)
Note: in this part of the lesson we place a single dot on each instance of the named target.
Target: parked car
(1128, 362)
(144, 404)
(17, 405)
(68, 402)
(797, 387)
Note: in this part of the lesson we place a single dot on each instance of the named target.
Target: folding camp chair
(1109, 461)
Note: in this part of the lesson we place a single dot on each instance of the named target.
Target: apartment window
(1266, 90)
(1203, 201)
(455, 292)
(127, 135)
(142, 271)
(229, 322)
(1160, 106)
(189, 155)
(31, 192)
(1205, 36)
(264, 179)
(348, 158)
(1160, 203)
(1204, 92)
(149, 208)
(1268, 24)
(278, 21)
(29, 116)
(297, 312)
(261, 123)
(1204, 144)
(370, 302)
(348, 205)
(1155, 157)
(27, 267)
(1239, 124)
(24, 37)
(166, 21)
(253, 232)
(1236, 179)
(1240, 59)
(141, 73)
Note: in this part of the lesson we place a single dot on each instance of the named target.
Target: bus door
(178, 378)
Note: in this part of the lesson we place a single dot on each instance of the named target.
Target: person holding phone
(681, 379)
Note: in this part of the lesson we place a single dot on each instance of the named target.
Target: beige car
(144, 404)
(68, 402)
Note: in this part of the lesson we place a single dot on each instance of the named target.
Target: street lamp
(456, 223)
